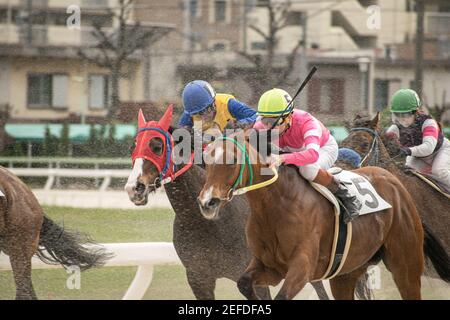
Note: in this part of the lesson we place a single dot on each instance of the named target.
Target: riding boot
(332, 183)
(351, 203)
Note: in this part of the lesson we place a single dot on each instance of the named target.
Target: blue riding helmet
(197, 96)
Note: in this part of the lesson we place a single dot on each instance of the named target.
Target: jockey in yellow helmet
(308, 143)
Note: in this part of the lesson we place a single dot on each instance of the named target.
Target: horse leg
(406, 274)
(320, 290)
(343, 287)
(21, 266)
(255, 277)
(202, 285)
(296, 277)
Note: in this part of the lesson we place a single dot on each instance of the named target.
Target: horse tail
(68, 248)
(434, 250)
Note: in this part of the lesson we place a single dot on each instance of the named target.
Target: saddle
(430, 181)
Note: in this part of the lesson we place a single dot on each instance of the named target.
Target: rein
(234, 190)
(374, 147)
(159, 181)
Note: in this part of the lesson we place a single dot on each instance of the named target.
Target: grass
(105, 225)
(169, 282)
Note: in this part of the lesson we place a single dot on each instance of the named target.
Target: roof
(77, 132)
(80, 132)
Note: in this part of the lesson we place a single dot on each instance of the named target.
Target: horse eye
(156, 145)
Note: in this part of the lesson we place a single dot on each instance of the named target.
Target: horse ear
(375, 122)
(164, 122)
(141, 120)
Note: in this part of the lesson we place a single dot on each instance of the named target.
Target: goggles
(402, 115)
(205, 111)
(269, 121)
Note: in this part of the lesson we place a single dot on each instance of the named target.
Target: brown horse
(208, 248)
(25, 231)
(366, 139)
(291, 226)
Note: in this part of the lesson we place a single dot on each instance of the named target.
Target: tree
(50, 144)
(64, 141)
(265, 74)
(114, 48)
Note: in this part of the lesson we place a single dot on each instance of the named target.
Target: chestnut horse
(208, 248)
(26, 231)
(291, 226)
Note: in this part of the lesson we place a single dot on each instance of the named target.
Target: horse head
(231, 164)
(364, 137)
(152, 157)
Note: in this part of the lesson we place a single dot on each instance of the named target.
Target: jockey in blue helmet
(203, 105)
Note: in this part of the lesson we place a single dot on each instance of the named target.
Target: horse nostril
(213, 203)
(139, 188)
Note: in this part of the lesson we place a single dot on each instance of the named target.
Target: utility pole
(187, 44)
(418, 79)
(303, 52)
(29, 23)
(244, 32)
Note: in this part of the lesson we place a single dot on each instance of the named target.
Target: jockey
(309, 144)
(204, 109)
(423, 142)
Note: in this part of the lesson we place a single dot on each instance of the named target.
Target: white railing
(52, 174)
(145, 255)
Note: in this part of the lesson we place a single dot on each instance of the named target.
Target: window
(220, 7)
(47, 91)
(381, 94)
(294, 18)
(3, 15)
(259, 45)
(58, 19)
(39, 90)
(326, 101)
(194, 8)
(326, 95)
(218, 46)
(98, 91)
(60, 84)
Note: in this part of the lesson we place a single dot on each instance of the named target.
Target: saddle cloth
(359, 187)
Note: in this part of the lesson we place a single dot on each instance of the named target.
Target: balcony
(46, 35)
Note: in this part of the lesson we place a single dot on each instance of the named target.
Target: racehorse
(208, 249)
(291, 225)
(25, 231)
(366, 139)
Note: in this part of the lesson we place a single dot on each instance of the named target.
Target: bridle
(167, 170)
(374, 148)
(235, 189)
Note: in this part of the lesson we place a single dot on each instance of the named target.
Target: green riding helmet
(405, 100)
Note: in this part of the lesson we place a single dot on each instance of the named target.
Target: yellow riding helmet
(273, 103)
